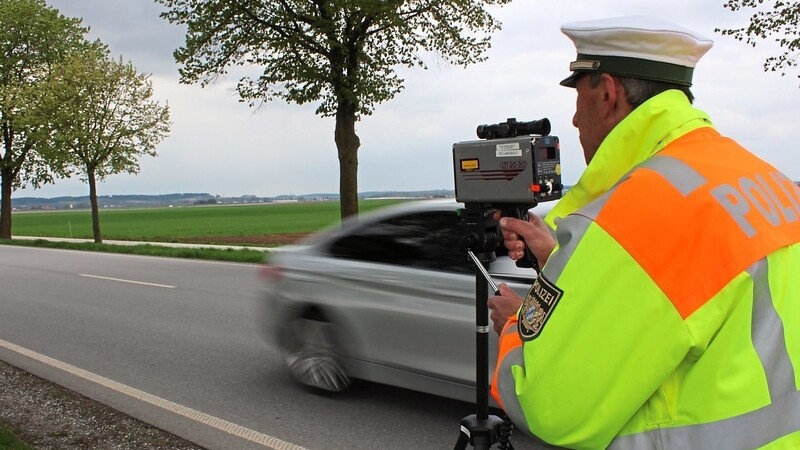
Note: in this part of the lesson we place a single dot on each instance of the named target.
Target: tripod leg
(462, 442)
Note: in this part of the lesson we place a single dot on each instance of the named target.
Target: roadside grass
(181, 224)
(230, 255)
(9, 441)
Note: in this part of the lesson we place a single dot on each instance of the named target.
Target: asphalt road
(177, 343)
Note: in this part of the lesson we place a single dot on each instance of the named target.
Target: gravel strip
(48, 417)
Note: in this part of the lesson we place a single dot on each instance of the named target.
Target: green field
(188, 224)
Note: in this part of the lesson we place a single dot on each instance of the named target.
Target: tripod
(480, 429)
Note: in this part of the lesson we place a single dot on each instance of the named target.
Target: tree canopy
(780, 21)
(33, 37)
(103, 119)
(340, 53)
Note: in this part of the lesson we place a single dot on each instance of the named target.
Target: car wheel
(313, 355)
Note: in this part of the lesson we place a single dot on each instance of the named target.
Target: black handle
(528, 261)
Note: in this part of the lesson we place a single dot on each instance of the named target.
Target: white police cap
(635, 46)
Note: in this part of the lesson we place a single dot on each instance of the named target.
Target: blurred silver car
(388, 298)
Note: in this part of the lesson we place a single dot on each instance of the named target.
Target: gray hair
(638, 91)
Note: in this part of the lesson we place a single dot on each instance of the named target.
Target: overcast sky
(220, 146)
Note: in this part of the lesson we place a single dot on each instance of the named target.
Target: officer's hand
(536, 236)
(503, 306)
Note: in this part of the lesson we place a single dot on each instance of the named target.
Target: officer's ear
(614, 99)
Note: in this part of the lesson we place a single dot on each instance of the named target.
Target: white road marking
(189, 413)
(127, 281)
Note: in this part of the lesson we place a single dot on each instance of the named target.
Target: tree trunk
(7, 181)
(347, 143)
(98, 237)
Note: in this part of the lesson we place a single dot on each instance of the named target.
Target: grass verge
(9, 441)
(230, 255)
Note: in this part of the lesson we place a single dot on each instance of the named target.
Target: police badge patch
(537, 308)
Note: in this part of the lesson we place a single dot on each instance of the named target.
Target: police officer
(667, 312)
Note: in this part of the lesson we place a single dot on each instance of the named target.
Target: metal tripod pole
(480, 429)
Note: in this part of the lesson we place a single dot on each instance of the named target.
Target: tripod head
(482, 232)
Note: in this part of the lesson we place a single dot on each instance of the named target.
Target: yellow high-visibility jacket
(668, 316)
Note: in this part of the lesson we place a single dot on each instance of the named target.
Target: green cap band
(630, 67)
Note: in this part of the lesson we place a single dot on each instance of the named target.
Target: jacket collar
(645, 131)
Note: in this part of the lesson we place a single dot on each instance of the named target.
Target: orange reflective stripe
(755, 206)
(509, 340)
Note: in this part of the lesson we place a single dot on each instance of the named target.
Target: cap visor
(571, 80)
